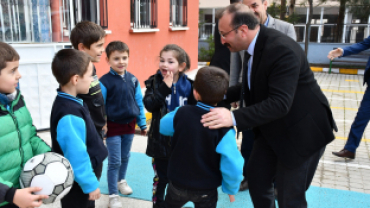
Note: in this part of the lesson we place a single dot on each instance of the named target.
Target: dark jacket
(123, 98)
(95, 102)
(221, 57)
(357, 48)
(155, 102)
(74, 136)
(285, 105)
(202, 158)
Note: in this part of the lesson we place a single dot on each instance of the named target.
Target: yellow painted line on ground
(341, 108)
(345, 138)
(348, 71)
(343, 91)
(351, 80)
(316, 69)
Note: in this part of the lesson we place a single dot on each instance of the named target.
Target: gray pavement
(344, 93)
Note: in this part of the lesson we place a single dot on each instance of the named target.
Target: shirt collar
(6, 99)
(250, 49)
(115, 73)
(70, 97)
(204, 106)
(267, 21)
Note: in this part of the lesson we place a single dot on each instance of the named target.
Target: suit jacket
(357, 48)
(221, 57)
(235, 59)
(285, 105)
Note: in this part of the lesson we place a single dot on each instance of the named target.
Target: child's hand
(168, 79)
(24, 198)
(143, 132)
(95, 195)
(234, 104)
(105, 130)
(232, 198)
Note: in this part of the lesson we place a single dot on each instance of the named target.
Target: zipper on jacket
(174, 89)
(19, 136)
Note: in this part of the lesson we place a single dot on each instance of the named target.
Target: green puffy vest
(18, 141)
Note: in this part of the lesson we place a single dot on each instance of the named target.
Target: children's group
(94, 118)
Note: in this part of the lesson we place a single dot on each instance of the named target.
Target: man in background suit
(259, 8)
(289, 114)
(363, 115)
(221, 57)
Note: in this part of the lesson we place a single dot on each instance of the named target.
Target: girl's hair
(179, 54)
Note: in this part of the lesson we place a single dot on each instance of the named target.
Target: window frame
(150, 23)
(178, 13)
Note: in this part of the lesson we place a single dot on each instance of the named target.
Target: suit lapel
(260, 43)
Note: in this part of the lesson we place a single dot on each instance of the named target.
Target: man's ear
(244, 30)
(81, 47)
(182, 67)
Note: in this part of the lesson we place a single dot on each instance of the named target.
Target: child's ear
(182, 67)
(196, 95)
(107, 59)
(74, 80)
(81, 47)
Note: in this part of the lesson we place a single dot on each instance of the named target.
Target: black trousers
(76, 198)
(246, 149)
(264, 167)
(177, 197)
(160, 180)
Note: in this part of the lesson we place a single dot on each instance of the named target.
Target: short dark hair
(211, 83)
(235, 1)
(116, 46)
(241, 15)
(7, 54)
(69, 62)
(87, 33)
(180, 55)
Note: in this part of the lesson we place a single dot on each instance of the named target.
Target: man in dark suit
(363, 115)
(259, 7)
(289, 114)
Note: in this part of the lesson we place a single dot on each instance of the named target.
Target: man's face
(259, 8)
(230, 37)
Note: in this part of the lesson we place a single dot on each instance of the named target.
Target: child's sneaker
(124, 188)
(114, 201)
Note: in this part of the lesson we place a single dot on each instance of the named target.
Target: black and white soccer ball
(50, 171)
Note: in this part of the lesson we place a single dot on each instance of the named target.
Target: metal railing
(178, 13)
(46, 21)
(331, 33)
(143, 14)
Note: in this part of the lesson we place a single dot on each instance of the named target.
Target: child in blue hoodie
(124, 106)
(166, 90)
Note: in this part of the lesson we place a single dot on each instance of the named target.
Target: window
(143, 14)
(178, 13)
(47, 20)
(91, 10)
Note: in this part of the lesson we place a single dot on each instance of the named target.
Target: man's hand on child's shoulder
(95, 195)
(24, 198)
